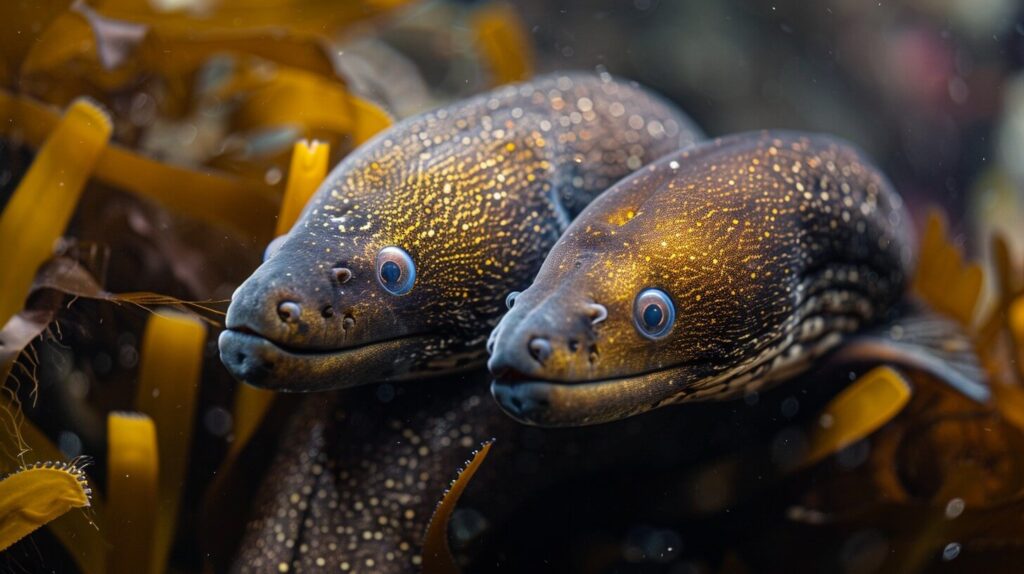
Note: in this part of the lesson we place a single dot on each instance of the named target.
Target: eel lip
(260, 362)
(549, 403)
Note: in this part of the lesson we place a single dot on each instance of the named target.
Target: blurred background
(931, 89)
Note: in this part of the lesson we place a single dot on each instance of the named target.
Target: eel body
(709, 274)
(474, 195)
(400, 265)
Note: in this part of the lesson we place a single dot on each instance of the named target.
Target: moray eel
(399, 266)
(715, 272)
(398, 269)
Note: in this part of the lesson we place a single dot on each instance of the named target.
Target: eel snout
(553, 342)
(271, 314)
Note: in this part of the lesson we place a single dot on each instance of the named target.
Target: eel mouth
(261, 362)
(550, 403)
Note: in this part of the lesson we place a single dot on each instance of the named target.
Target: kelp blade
(169, 376)
(34, 496)
(246, 206)
(859, 410)
(307, 172)
(501, 39)
(132, 492)
(81, 535)
(39, 210)
(437, 555)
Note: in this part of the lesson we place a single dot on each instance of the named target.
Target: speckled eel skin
(721, 270)
(400, 265)
(397, 271)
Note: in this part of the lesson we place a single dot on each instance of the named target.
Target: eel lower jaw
(260, 362)
(561, 404)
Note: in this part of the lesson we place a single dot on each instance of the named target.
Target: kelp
(35, 495)
(437, 555)
(40, 208)
(202, 194)
(502, 39)
(132, 493)
(168, 388)
(23, 446)
(942, 278)
(860, 409)
(940, 484)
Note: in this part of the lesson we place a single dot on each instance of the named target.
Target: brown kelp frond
(437, 555)
(941, 479)
(943, 279)
(151, 301)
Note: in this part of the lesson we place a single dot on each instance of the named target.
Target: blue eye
(396, 271)
(653, 313)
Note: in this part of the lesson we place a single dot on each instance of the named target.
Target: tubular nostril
(540, 349)
(327, 312)
(597, 312)
(342, 274)
(289, 311)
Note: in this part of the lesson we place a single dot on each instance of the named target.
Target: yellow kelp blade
(320, 106)
(315, 17)
(81, 534)
(1005, 286)
(503, 42)
(169, 374)
(856, 412)
(1016, 323)
(308, 169)
(132, 471)
(247, 206)
(38, 212)
(943, 279)
(368, 119)
(437, 555)
(34, 496)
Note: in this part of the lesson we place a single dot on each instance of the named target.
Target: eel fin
(919, 339)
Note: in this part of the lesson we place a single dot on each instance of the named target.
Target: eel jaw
(563, 404)
(260, 362)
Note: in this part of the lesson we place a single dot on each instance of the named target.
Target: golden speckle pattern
(771, 247)
(476, 193)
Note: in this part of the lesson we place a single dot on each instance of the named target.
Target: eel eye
(653, 313)
(510, 299)
(396, 271)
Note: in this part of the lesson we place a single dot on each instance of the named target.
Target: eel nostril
(348, 322)
(289, 311)
(342, 274)
(327, 312)
(540, 349)
(597, 312)
(574, 345)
